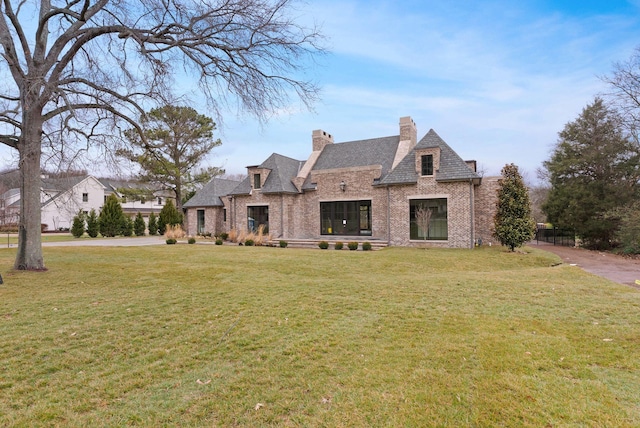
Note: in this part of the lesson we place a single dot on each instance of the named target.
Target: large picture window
(428, 219)
(257, 216)
(345, 218)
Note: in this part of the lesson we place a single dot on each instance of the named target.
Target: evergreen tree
(153, 224)
(93, 224)
(111, 217)
(592, 171)
(513, 223)
(77, 228)
(176, 140)
(169, 216)
(138, 225)
(127, 226)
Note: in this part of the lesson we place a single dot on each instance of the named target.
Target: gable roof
(60, 186)
(374, 151)
(452, 167)
(283, 170)
(210, 194)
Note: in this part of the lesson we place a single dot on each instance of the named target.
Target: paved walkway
(617, 268)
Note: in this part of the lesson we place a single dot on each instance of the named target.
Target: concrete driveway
(623, 270)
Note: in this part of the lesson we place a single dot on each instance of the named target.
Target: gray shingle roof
(375, 151)
(283, 170)
(210, 194)
(452, 167)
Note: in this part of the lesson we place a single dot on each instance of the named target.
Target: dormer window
(256, 181)
(426, 165)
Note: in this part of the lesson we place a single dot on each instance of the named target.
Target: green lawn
(196, 335)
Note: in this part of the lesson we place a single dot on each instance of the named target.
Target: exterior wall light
(343, 185)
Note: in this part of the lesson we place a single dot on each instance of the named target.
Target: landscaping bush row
(113, 222)
(366, 246)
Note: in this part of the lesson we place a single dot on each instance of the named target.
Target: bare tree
(79, 70)
(625, 92)
(423, 220)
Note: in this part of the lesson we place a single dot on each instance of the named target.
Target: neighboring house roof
(452, 167)
(57, 186)
(112, 185)
(283, 170)
(210, 194)
(374, 151)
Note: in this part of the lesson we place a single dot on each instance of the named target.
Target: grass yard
(196, 335)
(12, 238)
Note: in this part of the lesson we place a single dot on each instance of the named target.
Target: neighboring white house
(63, 198)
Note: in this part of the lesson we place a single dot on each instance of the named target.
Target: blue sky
(497, 80)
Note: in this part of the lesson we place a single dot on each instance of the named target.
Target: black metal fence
(555, 236)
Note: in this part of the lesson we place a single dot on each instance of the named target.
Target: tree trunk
(29, 256)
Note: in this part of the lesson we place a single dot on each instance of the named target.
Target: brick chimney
(408, 130)
(320, 139)
(408, 139)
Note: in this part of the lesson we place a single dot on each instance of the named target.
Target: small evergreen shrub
(219, 241)
(171, 241)
(224, 236)
(283, 244)
(192, 240)
(249, 243)
(338, 245)
(138, 225)
(111, 217)
(169, 216)
(77, 229)
(323, 245)
(366, 246)
(127, 226)
(93, 225)
(153, 224)
(352, 246)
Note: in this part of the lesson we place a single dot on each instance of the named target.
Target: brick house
(395, 189)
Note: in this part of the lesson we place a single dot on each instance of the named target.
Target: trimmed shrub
(219, 241)
(77, 229)
(93, 225)
(224, 236)
(138, 225)
(352, 246)
(249, 243)
(338, 245)
(111, 217)
(283, 244)
(192, 240)
(169, 216)
(366, 246)
(323, 245)
(127, 226)
(153, 224)
(171, 241)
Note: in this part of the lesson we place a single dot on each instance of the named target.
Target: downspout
(472, 212)
(282, 215)
(388, 216)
